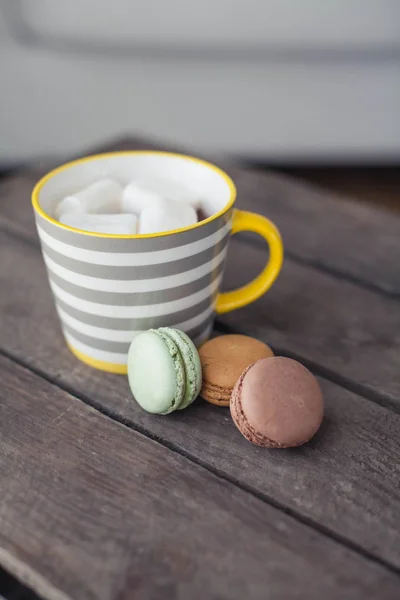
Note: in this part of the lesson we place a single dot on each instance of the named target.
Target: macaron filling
(217, 393)
(179, 369)
(191, 362)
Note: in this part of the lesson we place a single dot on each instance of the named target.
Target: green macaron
(164, 370)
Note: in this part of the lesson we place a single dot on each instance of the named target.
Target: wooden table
(100, 500)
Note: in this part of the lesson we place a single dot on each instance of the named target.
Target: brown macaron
(223, 360)
(277, 403)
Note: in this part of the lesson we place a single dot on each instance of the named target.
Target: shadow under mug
(107, 288)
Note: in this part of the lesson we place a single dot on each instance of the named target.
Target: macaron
(277, 403)
(223, 360)
(164, 370)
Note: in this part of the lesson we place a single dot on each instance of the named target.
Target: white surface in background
(55, 103)
(293, 23)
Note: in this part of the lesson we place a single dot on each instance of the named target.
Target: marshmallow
(104, 196)
(165, 215)
(117, 224)
(141, 192)
(69, 204)
(135, 198)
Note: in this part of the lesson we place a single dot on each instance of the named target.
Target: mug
(107, 288)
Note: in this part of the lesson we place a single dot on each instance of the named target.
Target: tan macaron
(223, 360)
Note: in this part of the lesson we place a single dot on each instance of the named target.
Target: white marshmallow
(69, 204)
(165, 215)
(135, 198)
(104, 196)
(117, 224)
(140, 192)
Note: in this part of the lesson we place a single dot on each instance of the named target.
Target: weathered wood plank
(338, 326)
(92, 510)
(346, 479)
(319, 227)
(333, 324)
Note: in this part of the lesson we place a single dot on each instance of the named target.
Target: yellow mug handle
(247, 221)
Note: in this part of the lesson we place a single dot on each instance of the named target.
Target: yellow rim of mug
(38, 187)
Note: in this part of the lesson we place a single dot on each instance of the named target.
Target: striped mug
(108, 287)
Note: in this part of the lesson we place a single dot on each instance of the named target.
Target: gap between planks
(266, 498)
(325, 269)
(378, 398)
(349, 384)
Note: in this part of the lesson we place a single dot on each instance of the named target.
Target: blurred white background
(280, 80)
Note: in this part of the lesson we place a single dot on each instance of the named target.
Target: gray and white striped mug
(107, 288)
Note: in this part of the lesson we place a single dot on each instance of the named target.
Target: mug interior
(215, 189)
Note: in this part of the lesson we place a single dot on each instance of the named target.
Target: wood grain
(92, 510)
(345, 480)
